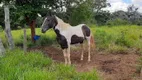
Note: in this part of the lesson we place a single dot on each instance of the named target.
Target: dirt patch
(110, 66)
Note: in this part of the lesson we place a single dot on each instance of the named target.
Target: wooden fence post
(25, 41)
(2, 49)
(7, 27)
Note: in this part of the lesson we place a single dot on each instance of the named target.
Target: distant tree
(119, 14)
(102, 17)
(99, 5)
(82, 13)
(133, 15)
(76, 11)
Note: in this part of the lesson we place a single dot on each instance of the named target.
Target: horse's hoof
(69, 63)
(89, 60)
(81, 59)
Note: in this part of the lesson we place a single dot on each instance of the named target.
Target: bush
(102, 39)
(122, 40)
(117, 22)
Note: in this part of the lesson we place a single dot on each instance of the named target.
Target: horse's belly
(76, 39)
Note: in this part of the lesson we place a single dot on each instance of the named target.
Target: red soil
(109, 66)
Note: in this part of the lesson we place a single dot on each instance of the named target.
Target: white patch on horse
(68, 31)
(44, 21)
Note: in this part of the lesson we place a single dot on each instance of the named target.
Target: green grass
(46, 39)
(118, 38)
(16, 65)
(112, 39)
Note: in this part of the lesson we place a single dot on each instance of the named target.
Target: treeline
(129, 17)
(32, 12)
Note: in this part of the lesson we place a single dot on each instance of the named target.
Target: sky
(123, 4)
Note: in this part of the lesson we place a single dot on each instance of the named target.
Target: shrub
(125, 39)
(102, 39)
(117, 22)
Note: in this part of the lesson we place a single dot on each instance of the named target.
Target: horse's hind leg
(82, 53)
(68, 55)
(88, 39)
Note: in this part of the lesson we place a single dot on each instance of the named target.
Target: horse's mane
(62, 24)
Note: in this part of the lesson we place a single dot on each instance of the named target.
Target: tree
(27, 11)
(133, 15)
(98, 5)
(83, 13)
(76, 11)
(102, 17)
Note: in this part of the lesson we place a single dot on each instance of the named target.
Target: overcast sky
(123, 4)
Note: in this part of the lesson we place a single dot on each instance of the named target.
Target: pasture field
(123, 43)
(115, 39)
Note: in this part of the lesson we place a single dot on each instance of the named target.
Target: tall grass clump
(117, 38)
(16, 65)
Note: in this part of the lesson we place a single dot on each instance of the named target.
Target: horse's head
(49, 22)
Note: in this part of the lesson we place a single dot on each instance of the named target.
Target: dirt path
(110, 66)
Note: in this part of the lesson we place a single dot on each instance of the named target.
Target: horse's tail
(92, 41)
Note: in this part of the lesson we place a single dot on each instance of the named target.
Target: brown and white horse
(67, 35)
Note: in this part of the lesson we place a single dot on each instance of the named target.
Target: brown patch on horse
(86, 31)
(75, 39)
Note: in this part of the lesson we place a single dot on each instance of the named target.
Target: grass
(45, 39)
(112, 39)
(118, 38)
(16, 65)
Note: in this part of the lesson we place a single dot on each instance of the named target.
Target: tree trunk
(25, 41)
(7, 27)
(2, 49)
(32, 26)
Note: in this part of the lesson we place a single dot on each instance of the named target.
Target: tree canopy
(71, 11)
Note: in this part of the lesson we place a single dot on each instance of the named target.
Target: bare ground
(109, 66)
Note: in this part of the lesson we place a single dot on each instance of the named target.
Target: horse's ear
(50, 13)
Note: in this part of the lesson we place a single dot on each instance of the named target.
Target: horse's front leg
(68, 54)
(89, 51)
(65, 55)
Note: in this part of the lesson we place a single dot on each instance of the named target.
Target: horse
(66, 35)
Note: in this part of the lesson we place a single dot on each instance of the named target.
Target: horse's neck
(62, 25)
